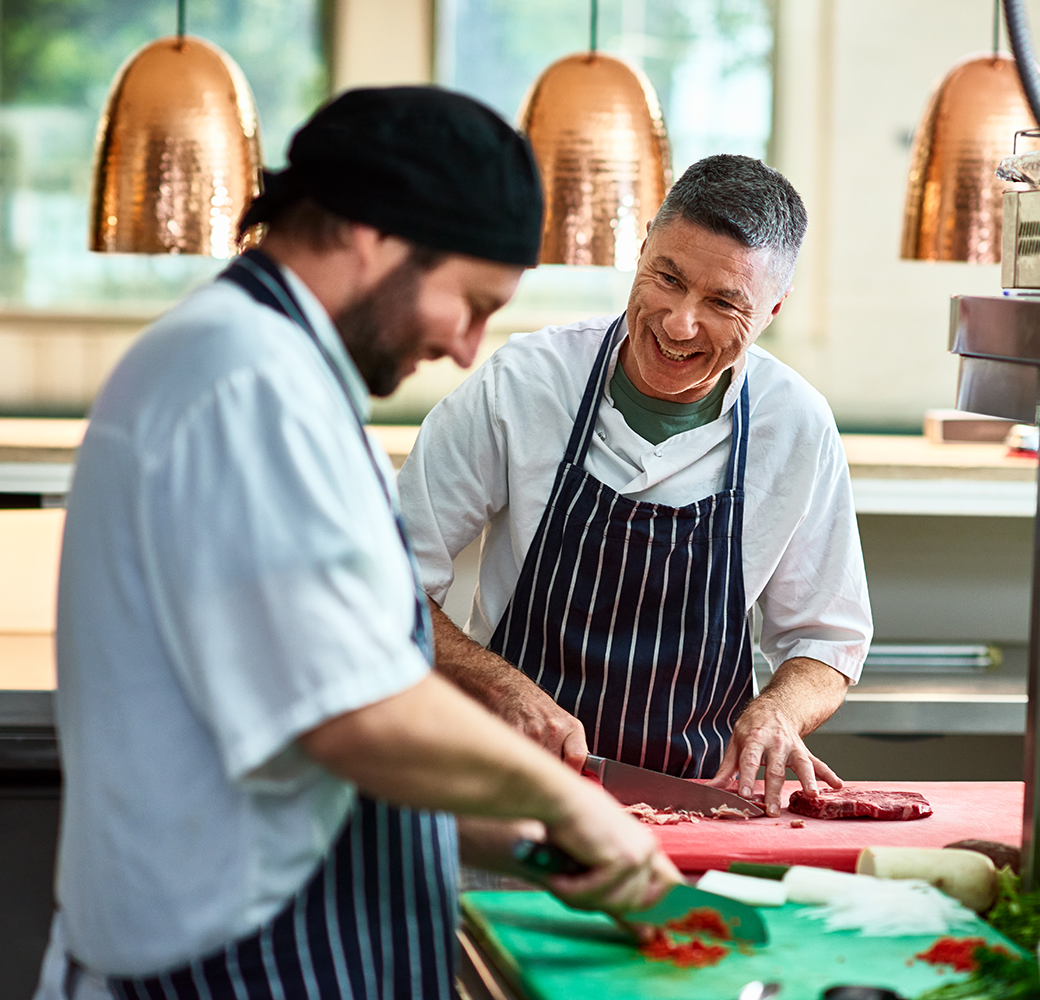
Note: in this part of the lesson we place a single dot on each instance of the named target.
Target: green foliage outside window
(57, 60)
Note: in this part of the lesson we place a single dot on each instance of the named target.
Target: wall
(382, 42)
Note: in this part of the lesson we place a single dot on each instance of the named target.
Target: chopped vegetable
(685, 954)
(879, 907)
(957, 953)
(697, 955)
(998, 976)
(661, 945)
(703, 920)
(1016, 914)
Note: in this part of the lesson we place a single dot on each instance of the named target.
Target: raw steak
(860, 803)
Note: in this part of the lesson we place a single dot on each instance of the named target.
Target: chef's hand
(525, 706)
(762, 738)
(628, 869)
(802, 694)
(507, 692)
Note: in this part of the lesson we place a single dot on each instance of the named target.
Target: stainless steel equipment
(998, 341)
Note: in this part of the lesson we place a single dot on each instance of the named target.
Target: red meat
(860, 803)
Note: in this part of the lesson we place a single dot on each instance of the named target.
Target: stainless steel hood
(998, 340)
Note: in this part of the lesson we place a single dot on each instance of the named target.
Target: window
(710, 61)
(57, 59)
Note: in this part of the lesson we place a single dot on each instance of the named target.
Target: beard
(382, 330)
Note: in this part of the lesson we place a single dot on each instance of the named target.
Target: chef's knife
(631, 785)
(747, 924)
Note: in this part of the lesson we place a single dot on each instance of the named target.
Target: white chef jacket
(486, 457)
(231, 577)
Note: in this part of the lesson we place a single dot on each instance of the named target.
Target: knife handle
(593, 767)
(547, 859)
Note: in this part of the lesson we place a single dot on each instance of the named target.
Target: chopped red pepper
(696, 954)
(693, 953)
(704, 920)
(957, 953)
(661, 945)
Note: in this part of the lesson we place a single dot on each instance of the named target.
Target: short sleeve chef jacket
(486, 457)
(231, 577)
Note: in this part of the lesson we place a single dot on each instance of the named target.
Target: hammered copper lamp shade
(178, 153)
(598, 135)
(954, 200)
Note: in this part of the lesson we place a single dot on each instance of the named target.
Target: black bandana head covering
(422, 163)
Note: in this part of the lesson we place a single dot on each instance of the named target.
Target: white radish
(744, 888)
(818, 885)
(967, 876)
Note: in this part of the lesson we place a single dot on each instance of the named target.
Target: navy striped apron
(631, 615)
(377, 919)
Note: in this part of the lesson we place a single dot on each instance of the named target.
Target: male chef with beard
(639, 485)
(259, 764)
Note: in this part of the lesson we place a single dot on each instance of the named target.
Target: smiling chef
(641, 483)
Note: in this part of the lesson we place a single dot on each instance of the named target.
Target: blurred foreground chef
(251, 734)
(640, 484)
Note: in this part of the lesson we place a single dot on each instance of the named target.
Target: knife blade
(631, 785)
(746, 922)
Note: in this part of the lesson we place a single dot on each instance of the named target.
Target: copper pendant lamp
(598, 134)
(954, 200)
(177, 157)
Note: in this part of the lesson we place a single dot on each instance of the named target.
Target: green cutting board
(551, 952)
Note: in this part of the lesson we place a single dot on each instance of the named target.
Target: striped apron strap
(585, 421)
(515, 624)
(255, 272)
(738, 452)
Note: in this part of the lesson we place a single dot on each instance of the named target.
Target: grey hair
(741, 197)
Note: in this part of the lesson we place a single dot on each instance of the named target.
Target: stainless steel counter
(979, 703)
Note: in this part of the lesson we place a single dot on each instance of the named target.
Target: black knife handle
(547, 859)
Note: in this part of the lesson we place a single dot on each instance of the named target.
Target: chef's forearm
(508, 692)
(479, 672)
(805, 691)
(433, 747)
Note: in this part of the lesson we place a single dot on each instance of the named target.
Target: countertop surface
(550, 952)
(871, 456)
(979, 810)
(911, 456)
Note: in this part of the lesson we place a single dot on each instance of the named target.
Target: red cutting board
(961, 810)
